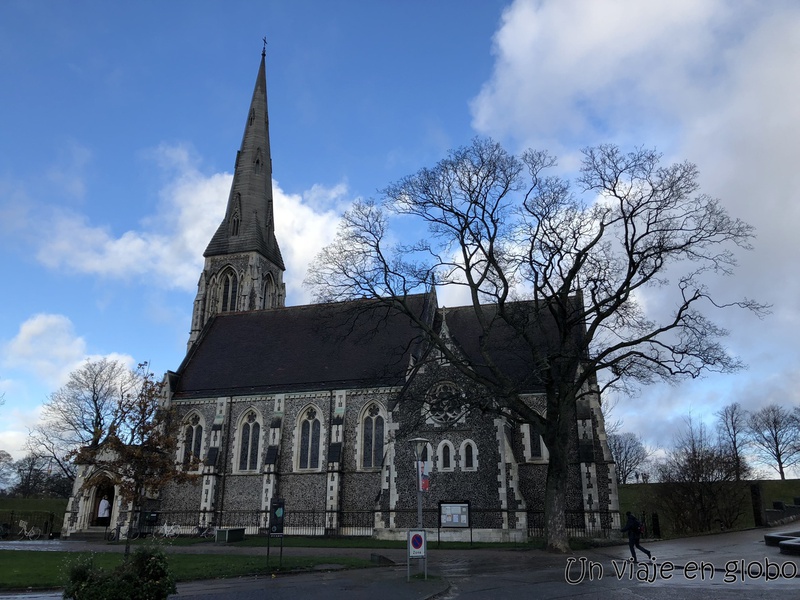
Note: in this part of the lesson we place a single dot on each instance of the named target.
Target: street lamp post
(417, 546)
(419, 448)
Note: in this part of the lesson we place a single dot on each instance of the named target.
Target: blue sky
(120, 122)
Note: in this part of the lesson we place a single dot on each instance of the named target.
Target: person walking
(634, 529)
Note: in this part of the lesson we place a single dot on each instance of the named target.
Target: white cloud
(571, 70)
(36, 362)
(708, 81)
(167, 250)
(304, 224)
(48, 347)
(16, 425)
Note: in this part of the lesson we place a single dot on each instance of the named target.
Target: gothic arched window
(372, 436)
(310, 434)
(469, 456)
(192, 440)
(445, 456)
(230, 288)
(235, 222)
(269, 292)
(249, 438)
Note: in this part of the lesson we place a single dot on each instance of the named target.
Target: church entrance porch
(102, 503)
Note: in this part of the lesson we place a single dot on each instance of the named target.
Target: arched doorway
(103, 488)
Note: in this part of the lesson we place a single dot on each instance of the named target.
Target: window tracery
(445, 403)
(372, 437)
(310, 437)
(249, 442)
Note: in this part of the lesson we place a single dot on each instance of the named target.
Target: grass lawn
(23, 569)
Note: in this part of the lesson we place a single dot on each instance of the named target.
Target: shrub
(145, 576)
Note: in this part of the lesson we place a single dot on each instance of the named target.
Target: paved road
(701, 568)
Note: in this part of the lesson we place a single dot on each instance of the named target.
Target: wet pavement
(729, 565)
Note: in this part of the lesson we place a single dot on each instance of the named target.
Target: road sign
(416, 544)
(276, 515)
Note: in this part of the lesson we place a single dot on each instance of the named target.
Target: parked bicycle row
(166, 531)
(36, 524)
(25, 531)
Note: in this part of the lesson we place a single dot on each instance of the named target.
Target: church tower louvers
(243, 264)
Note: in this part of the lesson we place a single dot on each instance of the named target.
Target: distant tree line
(769, 437)
(33, 476)
(706, 465)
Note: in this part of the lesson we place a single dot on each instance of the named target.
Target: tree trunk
(555, 497)
(128, 536)
(555, 501)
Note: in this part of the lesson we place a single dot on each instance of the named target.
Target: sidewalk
(736, 554)
(718, 549)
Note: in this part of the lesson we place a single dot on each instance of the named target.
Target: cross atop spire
(264, 49)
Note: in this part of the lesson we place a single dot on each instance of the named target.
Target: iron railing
(48, 522)
(591, 524)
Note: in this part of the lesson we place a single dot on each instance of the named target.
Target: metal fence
(48, 522)
(590, 524)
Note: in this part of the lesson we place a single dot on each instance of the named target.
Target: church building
(316, 405)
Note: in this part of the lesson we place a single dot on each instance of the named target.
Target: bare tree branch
(563, 264)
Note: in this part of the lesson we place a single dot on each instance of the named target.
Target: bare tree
(702, 487)
(36, 475)
(564, 273)
(144, 460)
(31, 472)
(6, 469)
(774, 432)
(732, 432)
(796, 417)
(94, 402)
(629, 453)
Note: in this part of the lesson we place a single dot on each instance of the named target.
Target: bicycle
(168, 531)
(205, 531)
(123, 533)
(34, 533)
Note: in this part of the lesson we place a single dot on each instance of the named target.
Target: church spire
(243, 263)
(248, 225)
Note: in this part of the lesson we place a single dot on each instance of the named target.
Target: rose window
(445, 403)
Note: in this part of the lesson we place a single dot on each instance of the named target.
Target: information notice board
(454, 514)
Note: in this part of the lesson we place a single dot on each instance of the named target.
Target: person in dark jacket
(633, 528)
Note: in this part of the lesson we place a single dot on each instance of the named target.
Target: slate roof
(311, 347)
(341, 346)
(506, 347)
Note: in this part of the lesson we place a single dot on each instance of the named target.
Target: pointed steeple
(248, 225)
(243, 264)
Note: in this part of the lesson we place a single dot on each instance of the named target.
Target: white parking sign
(416, 544)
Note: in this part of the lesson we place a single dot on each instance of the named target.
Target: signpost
(276, 515)
(417, 549)
(416, 539)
